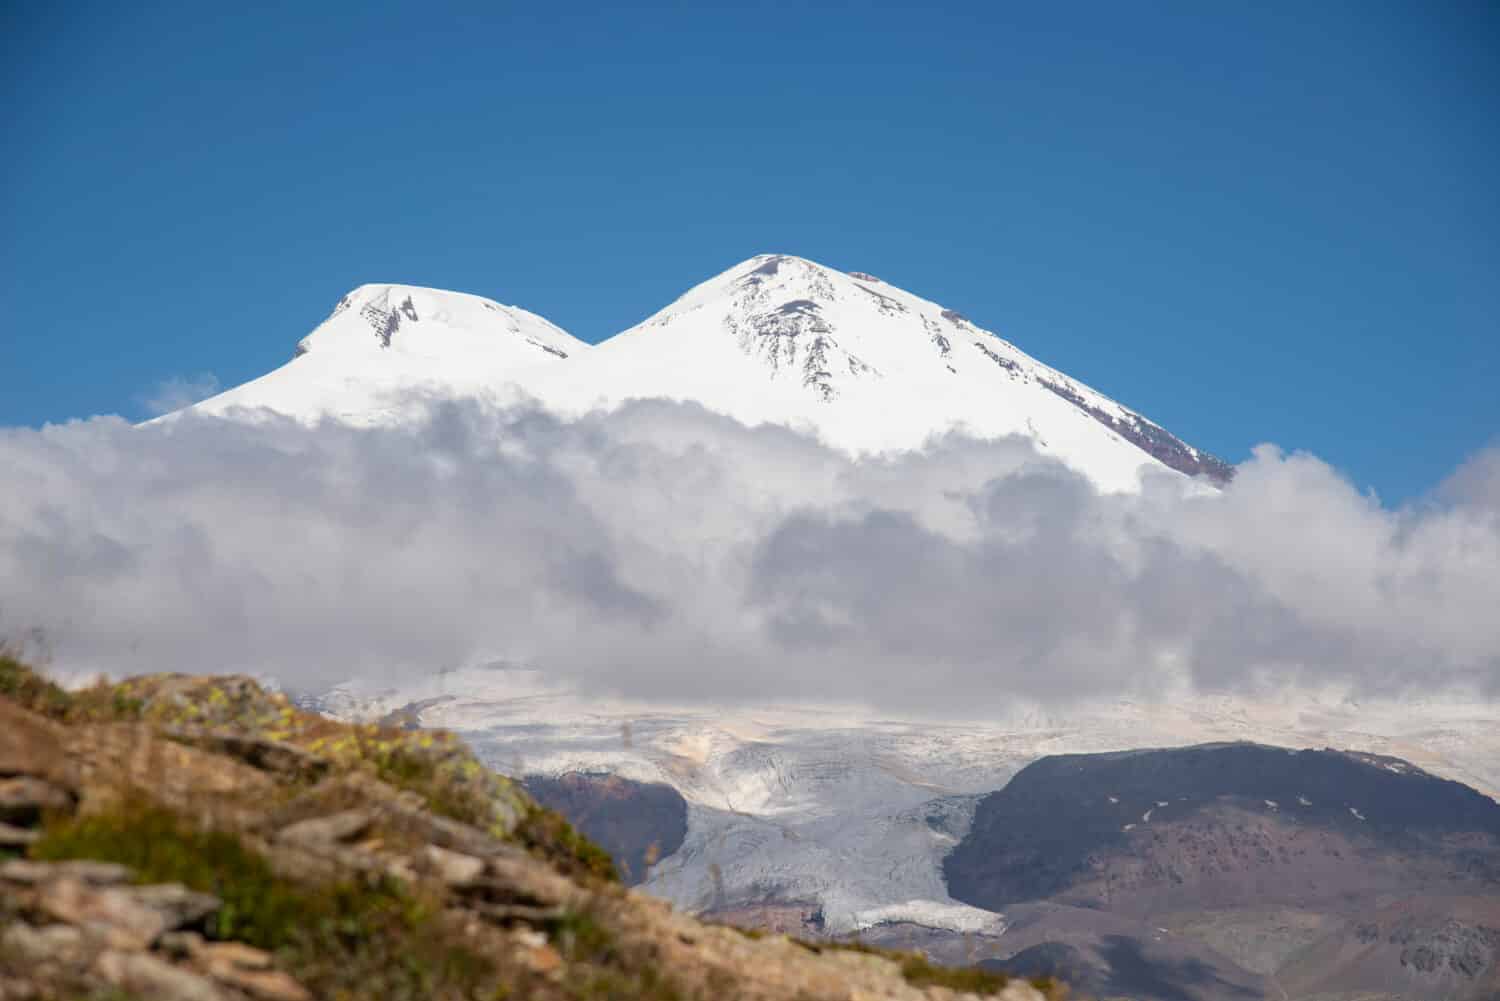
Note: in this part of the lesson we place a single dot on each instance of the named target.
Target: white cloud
(664, 551)
(1477, 481)
(179, 391)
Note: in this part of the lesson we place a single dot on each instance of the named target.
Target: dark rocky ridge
(1126, 966)
(1153, 439)
(637, 823)
(1192, 873)
(1060, 818)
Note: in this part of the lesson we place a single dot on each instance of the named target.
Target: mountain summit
(385, 347)
(868, 366)
(777, 339)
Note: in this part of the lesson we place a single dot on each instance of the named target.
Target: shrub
(100, 702)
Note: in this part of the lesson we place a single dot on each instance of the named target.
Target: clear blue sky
(1253, 222)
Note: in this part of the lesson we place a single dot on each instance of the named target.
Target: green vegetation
(24, 686)
(100, 702)
(159, 848)
(548, 835)
(919, 971)
(601, 968)
(451, 783)
(579, 935)
(347, 939)
(445, 773)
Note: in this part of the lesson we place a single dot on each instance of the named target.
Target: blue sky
(1270, 224)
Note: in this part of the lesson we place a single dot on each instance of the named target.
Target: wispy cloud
(662, 551)
(179, 391)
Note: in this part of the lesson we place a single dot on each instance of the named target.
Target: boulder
(453, 868)
(31, 744)
(26, 872)
(16, 837)
(24, 799)
(113, 913)
(148, 976)
(334, 829)
(178, 906)
(46, 944)
(249, 970)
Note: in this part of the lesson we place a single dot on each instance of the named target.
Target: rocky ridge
(638, 823)
(1227, 871)
(199, 839)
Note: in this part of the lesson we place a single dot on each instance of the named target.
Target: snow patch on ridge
(932, 914)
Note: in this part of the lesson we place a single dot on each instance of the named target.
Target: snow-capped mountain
(866, 365)
(833, 810)
(385, 347)
(776, 339)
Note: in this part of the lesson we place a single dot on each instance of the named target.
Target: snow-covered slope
(866, 365)
(850, 814)
(385, 347)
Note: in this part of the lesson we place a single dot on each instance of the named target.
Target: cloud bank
(660, 551)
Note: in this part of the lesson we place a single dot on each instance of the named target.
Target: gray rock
(408, 813)
(150, 977)
(113, 913)
(263, 985)
(16, 837)
(177, 905)
(179, 944)
(258, 752)
(16, 990)
(24, 799)
(453, 868)
(419, 822)
(47, 944)
(521, 888)
(35, 873)
(338, 827)
(250, 970)
(236, 955)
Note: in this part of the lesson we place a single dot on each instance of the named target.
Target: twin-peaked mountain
(864, 365)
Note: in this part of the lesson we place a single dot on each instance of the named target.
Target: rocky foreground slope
(182, 838)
